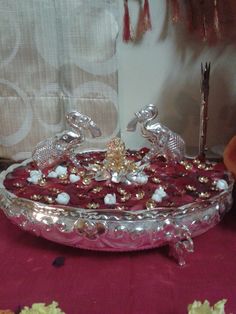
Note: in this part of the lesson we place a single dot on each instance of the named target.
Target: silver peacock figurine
(164, 142)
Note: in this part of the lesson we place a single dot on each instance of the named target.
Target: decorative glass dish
(116, 199)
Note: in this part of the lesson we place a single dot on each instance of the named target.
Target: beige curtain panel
(56, 55)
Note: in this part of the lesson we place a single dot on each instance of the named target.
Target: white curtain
(56, 55)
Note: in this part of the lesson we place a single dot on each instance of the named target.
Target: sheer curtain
(55, 55)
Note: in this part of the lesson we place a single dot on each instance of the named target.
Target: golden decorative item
(188, 166)
(150, 204)
(203, 179)
(140, 195)
(125, 197)
(42, 182)
(156, 180)
(35, 197)
(115, 159)
(122, 191)
(204, 194)
(92, 205)
(49, 199)
(86, 181)
(201, 166)
(190, 188)
(97, 189)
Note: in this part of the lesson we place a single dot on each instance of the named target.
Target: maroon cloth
(113, 283)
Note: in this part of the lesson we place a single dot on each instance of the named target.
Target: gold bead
(18, 184)
(81, 173)
(196, 161)
(97, 189)
(63, 177)
(48, 199)
(125, 197)
(140, 195)
(42, 182)
(92, 205)
(201, 166)
(35, 197)
(203, 179)
(204, 194)
(156, 180)
(73, 170)
(150, 204)
(122, 191)
(188, 166)
(86, 181)
(190, 187)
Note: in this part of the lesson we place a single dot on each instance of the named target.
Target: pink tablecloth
(106, 283)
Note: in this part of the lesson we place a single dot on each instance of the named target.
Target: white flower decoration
(159, 194)
(52, 174)
(141, 178)
(35, 176)
(222, 184)
(74, 178)
(61, 171)
(63, 198)
(110, 199)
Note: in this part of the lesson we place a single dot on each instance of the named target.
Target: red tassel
(189, 17)
(216, 19)
(144, 20)
(140, 29)
(126, 23)
(175, 10)
(147, 16)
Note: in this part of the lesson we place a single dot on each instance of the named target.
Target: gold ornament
(190, 188)
(201, 166)
(203, 179)
(125, 197)
(122, 191)
(97, 189)
(92, 205)
(156, 180)
(188, 166)
(35, 197)
(115, 158)
(42, 182)
(140, 195)
(48, 199)
(18, 185)
(150, 204)
(204, 194)
(86, 181)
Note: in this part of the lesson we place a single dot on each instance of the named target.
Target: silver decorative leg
(181, 245)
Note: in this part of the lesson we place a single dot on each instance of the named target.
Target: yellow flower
(204, 308)
(41, 308)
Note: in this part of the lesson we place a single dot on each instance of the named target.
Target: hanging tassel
(216, 19)
(203, 21)
(140, 29)
(144, 20)
(147, 16)
(126, 23)
(189, 15)
(175, 10)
